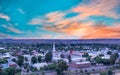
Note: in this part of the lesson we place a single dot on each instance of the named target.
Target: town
(59, 58)
(59, 37)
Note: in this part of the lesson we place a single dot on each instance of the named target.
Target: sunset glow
(63, 19)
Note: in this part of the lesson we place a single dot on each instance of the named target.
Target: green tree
(61, 66)
(85, 55)
(20, 60)
(26, 65)
(48, 57)
(33, 60)
(2, 61)
(2, 51)
(26, 59)
(33, 69)
(17, 70)
(88, 58)
(69, 58)
(39, 58)
(52, 66)
(116, 55)
(113, 58)
(62, 56)
(98, 60)
(103, 73)
(106, 61)
(109, 53)
(9, 71)
(14, 60)
(110, 72)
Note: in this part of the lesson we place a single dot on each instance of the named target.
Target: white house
(39, 65)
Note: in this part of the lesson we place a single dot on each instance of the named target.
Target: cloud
(93, 8)
(103, 32)
(4, 17)
(2, 35)
(21, 11)
(52, 17)
(13, 29)
(75, 27)
(98, 8)
(88, 30)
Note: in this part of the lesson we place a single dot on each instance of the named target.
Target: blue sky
(59, 19)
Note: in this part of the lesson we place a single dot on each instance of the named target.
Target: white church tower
(54, 47)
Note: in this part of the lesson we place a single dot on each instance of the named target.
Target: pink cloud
(98, 8)
(73, 27)
(13, 29)
(4, 16)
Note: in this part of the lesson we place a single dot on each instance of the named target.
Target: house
(6, 55)
(39, 65)
(106, 57)
(1, 48)
(4, 66)
(77, 58)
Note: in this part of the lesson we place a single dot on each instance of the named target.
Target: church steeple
(54, 47)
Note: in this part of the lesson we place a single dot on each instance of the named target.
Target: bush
(110, 72)
(81, 71)
(86, 71)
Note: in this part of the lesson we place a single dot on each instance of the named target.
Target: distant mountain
(111, 41)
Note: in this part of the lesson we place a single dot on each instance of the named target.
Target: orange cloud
(4, 16)
(56, 21)
(98, 8)
(103, 32)
(94, 8)
(87, 30)
(53, 17)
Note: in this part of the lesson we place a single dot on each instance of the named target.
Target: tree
(33, 60)
(52, 66)
(33, 69)
(106, 61)
(88, 58)
(20, 60)
(61, 66)
(109, 53)
(101, 55)
(85, 55)
(26, 65)
(81, 71)
(69, 58)
(116, 55)
(2, 51)
(2, 61)
(39, 58)
(18, 70)
(48, 57)
(103, 73)
(9, 71)
(14, 60)
(26, 59)
(62, 56)
(113, 58)
(98, 60)
(110, 72)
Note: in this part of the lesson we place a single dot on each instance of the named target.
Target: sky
(59, 19)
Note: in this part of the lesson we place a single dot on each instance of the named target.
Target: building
(39, 65)
(6, 55)
(1, 48)
(84, 64)
(54, 50)
(77, 58)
